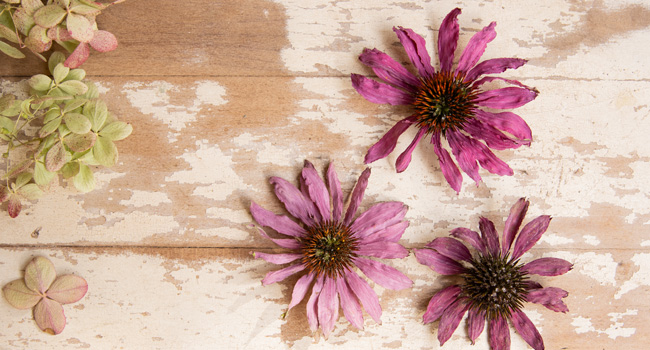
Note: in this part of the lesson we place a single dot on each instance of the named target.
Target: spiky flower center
(328, 248)
(444, 101)
(495, 285)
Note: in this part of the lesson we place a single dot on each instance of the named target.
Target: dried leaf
(74, 103)
(103, 41)
(17, 169)
(80, 143)
(70, 169)
(31, 192)
(92, 92)
(49, 316)
(79, 27)
(10, 50)
(42, 176)
(31, 6)
(60, 72)
(84, 10)
(49, 16)
(76, 74)
(68, 289)
(97, 112)
(55, 157)
(7, 28)
(65, 3)
(77, 123)
(39, 274)
(116, 131)
(14, 206)
(37, 40)
(40, 82)
(78, 56)
(23, 21)
(22, 179)
(6, 101)
(6, 124)
(55, 58)
(19, 296)
(84, 181)
(49, 128)
(59, 33)
(5, 193)
(105, 152)
(73, 87)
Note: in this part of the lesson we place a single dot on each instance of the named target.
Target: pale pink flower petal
(328, 306)
(335, 190)
(475, 323)
(416, 49)
(377, 218)
(67, 289)
(476, 47)
(49, 316)
(440, 302)
(366, 295)
(505, 98)
(530, 234)
(506, 121)
(316, 189)
(438, 262)
(357, 196)
(382, 274)
(280, 223)
(282, 242)
(377, 92)
(499, 334)
(300, 289)
(493, 66)
(277, 259)
(389, 70)
(39, 274)
(450, 248)
(312, 303)
(78, 56)
(447, 166)
(383, 250)
(296, 204)
(279, 275)
(489, 236)
(527, 330)
(550, 297)
(103, 41)
(349, 304)
(451, 319)
(515, 218)
(548, 267)
(448, 39)
(387, 143)
(405, 158)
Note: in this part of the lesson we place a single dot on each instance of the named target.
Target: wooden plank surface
(224, 94)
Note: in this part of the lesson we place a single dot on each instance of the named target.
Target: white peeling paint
(238, 216)
(640, 278)
(553, 239)
(144, 198)
(210, 92)
(583, 325)
(615, 329)
(591, 240)
(600, 267)
(645, 243)
(228, 233)
(266, 152)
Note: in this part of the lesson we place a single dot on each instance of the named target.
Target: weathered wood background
(224, 94)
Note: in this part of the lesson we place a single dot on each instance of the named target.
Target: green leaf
(97, 112)
(23, 21)
(65, 3)
(42, 176)
(6, 124)
(40, 82)
(7, 28)
(31, 192)
(80, 143)
(80, 27)
(55, 157)
(10, 50)
(73, 87)
(84, 181)
(13, 110)
(60, 72)
(70, 169)
(69, 46)
(116, 131)
(32, 5)
(39, 274)
(55, 58)
(76, 74)
(49, 16)
(74, 104)
(22, 179)
(77, 123)
(53, 112)
(84, 10)
(6, 101)
(37, 40)
(93, 91)
(105, 152)
(19, 296)
(17, 169)
(49, 128)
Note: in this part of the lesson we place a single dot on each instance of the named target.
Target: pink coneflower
(446, 102)
(328, 245)
(495, 283)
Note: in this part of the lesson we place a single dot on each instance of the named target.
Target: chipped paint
(640, 278)
(600, 267)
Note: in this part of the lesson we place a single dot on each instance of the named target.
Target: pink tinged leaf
(49, 16)
(493, 137)
(390, 234)
(377, 218)
(464, 155)
(382, 274)
(380, 93)
(284, 243)
(438, 262)
(349, 303)
(19, 296)
(80, 27)
(440, 302)
(279, 275)
(68, 289)
(78, 56)
(530, 234)
(499, 334)
(489, 236)
(383, 250)
(389, 70)
(5, 193)
(450, 248)
(447, 166)
(357, 196)
(103, 41)
(277, 258)
(513, 222)
(14, 206)
(49, 316)
(300, 289)
(475, 323)
(550, 297)
(494, 66)
(59, 33)
(366, 295)
(37, 40)
(316, 190)
(328, 306)
(387, 143)
(416, 49)
(505, 98)
(280, 223)
(451, 319)
(527, 330)
(506, 121)
(296, 204)
(476, 47)
(335, 190)
(39, 274)
(448, 39)
(404, 159)
(470, 237)
(312, 304)
(547, 267)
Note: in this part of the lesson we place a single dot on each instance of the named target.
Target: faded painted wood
(224, 94)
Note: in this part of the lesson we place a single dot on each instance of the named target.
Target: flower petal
(296, 204)
(78, 56)
(312, 304)
(383, 250)
(547, 267)
(279, 275)
(357, 196)
(505, 98)
(506, 121)
(335, 190)
(49, 316)
(499, 334)
(405, 158)
(416, 49)
(282, 242)
(475, 323)
(103, 41)
(438, 262)
(447, 166)
(390, 234)
(439, 303)
(527, 330)
(470, 237)
(474, 150)
(493, 137)
(328, 306)
(278, 259)
(39, 274)
(451, 319)
(448, 39)
(280, 223)
(450, 248)
(513, 222)
(380, 93)
(489, 236)
(19, 296)
(387, 143)
(300, 289)
(366, 295)
(476, 47)
(377, 218)
(550, 297)
(382, 274)
(316, 189)
(530, 234)
(494, 66)
(464, 154)
(68, 289)
(349, 303)
(389, 70)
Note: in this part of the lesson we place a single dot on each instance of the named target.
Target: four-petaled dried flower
(446, 102)
(495, 284)
(45, 292)
(330, 243)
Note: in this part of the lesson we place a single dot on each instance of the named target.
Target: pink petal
(387, 143)
(280, 223)
(284, 243)
(335, 190)
(439, 303)
(450, 248)
(300, 289)
(383, 250)
(475, 323)
(493, 137)
(49, 316)
(78, 56)
(451, 318)
(312, 304)
(349, 304)
(365, 294)
(474, 150)
(438, 262)
(527, 330)
(489, 236)
(448, 39)
(19, 296)
(530, 234)
(377, 218)
(470, 237)
(547, 267)
(67, 289)
(384, 275)
(447, 166)
(390, 234)
(357, 196)
(494, 66)
(389, 70)
(416, 49)
(505, 98)
(499, 334)
(380, 93)
(476, 47)
(39, 274)
(550, 297)
(516, 216)
(278, 259)
(405, 158)
(316, 189)
(464, 154)
(279, 275)
(103, 41)
(328, 306)
(296, 204)
(484, 80)
(506, 121)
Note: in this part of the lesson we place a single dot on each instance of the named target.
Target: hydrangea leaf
(14, 206)
(6, 124)
(17, 169)
(74, 103)
(92, 93)
(19, 296)
(7, 28)
(97, 112)
(76, 74)
(68, 289)
(70, 169)
(116, 131)
(40, 82)
(84, 181)
(31, 192)
(12, 110)
(78, 56)
(81, 142)
(80, 27)
(23, 21)
(84, 10)
(73, 87)
(65, 3)
(59, 33)
(77, 123)
(5, 193)
(60, 72)
(55, 157)
(103, 41)
(105, 152)
(23, 179)
(6, 101)
(39, 274)
(42, 176)
(49, 316)
(49, 16)
(10, 50)
(49, 128)
(31, 6)
(55, 58)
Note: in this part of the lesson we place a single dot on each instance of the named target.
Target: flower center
(444, 102)
(495, 285)
(328, 248)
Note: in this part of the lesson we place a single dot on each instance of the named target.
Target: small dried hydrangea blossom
(329, 244)
(495, 283)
